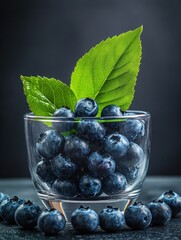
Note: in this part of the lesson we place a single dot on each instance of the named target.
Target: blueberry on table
(90, 186)
(116, 145)
(76, 148)
(3, 196)
(138, 216)
(86, 107)
(63, 167)
(114, 184)
(101, 164)
(161, 212)
(26, 215)
(63, 125)
(51, 221)
(44, 172)
(8, 208)
(85, 220)
(66, 188)
(111, 219)
(173, 200)
(91, 131)
(49, 144)
(133, 129)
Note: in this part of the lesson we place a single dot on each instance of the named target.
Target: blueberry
(3, 196)
(49, 144)
(26, 215)
(44, 172)
(133, 129)
(114, 184)
(129, 171)
(8, 208)
(90, 186)
(112, 111)
(138, 216)
(63, 125)
(101, 164)
(63, 167)
(85, 220)
(66, 188)
(116, 145)
(173, 200)
(161, 212)
(111, 219)
(51, 221)
(91, 130)
(77, 149)
(86, 107)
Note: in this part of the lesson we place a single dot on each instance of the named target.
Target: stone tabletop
(152, 188)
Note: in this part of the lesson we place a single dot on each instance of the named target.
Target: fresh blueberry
(63, 167)
(65, 119)
(26, 215)
(44, 172)
(116, 145)
(138, 216)
(77, 149)
(66, 188)
(114, 184)
(51, 221)
(3, 197)
(173, 200)
(90, 186)
(133, 129)
(91, 130)
(161, 212)
(111, 219)
(85, 220)
(8, 208)
(112, 111)
(86, 107)
(49, 144)
(129, 171)
(101, 164)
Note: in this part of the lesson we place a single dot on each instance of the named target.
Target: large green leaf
(108, 72)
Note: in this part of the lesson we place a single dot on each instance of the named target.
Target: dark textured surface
(152, 188)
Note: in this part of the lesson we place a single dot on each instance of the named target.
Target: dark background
(46, 38)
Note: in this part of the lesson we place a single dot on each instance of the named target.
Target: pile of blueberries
(95, 157)
(28, 215)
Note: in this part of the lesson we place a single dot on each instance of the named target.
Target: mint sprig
(107, 73)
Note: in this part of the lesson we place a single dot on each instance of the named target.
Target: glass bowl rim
(136, 115)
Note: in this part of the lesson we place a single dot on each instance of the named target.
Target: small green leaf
(45, 95)
(108, 72)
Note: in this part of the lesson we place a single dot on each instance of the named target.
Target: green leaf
(108, 72)
(45, 95)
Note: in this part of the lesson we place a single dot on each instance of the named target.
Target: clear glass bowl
(125, 140)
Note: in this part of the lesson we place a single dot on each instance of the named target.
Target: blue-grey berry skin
(129, 171)
(63, 167)
(101, 164)
(133, 129)
(92, 131)
(49, 144)
(3, 197)
(161, 212)
(26, 215)
(173, 200)
(112, 111)
(63, 125)
(51, 222)
(85, 220)
(86, 107)
(114, 184)
(116, 145)
(90, 186)
(138, 216)
(8, 208)
(66, 188)
(111, 219)
(76, 148)
(44, 172)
